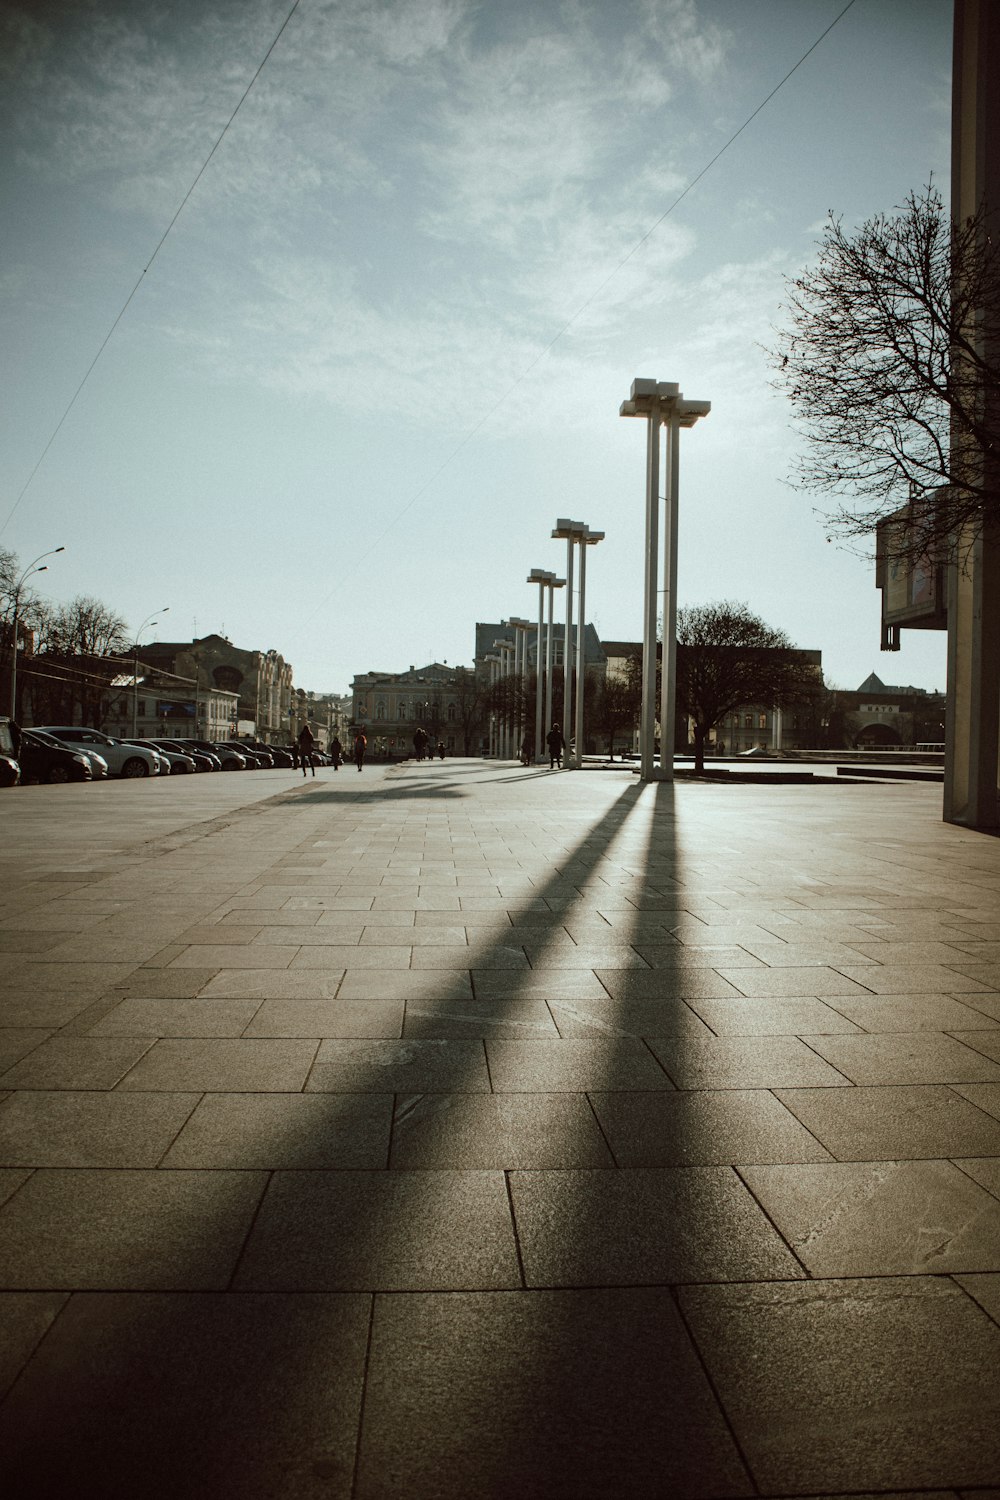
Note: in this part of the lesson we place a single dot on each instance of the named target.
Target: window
(762, 721)
(748, 721)
(451, 713)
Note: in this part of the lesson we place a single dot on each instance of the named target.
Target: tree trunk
(699, 750)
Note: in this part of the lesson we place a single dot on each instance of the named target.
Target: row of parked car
(72, 752)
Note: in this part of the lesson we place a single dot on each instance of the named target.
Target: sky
(326, 384)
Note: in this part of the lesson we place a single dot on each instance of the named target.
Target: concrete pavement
(458, 1130)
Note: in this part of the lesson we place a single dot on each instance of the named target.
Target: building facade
(390, 706)
(261, 682)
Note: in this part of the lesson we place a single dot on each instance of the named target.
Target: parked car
(99, 769)
(275, 754)
(42, 758)
(123, 759)
(200, 759)
(177, 762)
(10, 771)
(230, 758)
(201, 747)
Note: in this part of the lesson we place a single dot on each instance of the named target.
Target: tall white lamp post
(29, 571)
(506, 651)
(542, 578)
(662, 404)
(135, 666)
(571, 531)
(554, 583)
(586, 539)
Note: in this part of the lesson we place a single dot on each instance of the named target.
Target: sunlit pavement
(459, 1130)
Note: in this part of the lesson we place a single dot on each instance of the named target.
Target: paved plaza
(463, 1132)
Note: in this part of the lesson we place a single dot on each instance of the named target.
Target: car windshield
(39, 737)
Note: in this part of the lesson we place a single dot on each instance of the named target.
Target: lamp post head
(663, 398)
(568, 529)
(591, 538)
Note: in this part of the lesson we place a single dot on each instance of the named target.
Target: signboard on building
(173, 709)
(911, 578)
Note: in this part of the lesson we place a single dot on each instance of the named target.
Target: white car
(123, 759)
(175, 761)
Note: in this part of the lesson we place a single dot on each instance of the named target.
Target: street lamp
(588, 539)
(520, 628)
(135, 666)
(29, 572)
(662, 404)
(543, 579)
(506, 650)
(570, 530)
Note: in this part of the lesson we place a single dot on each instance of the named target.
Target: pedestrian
(441, 749)
(336, 751)
(360, 746)
(526, 752)
(306, 742)
(295, 755)
(555, 742)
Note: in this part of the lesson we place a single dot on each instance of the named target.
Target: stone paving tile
(917, 979)
(744, 1062)
(22, 1011)
(271, 1131)
(478, 1018)
(636, 1018)
(25, 1319)
(985, 1096)
(76, 1129)
(415, 1065)
(703, 1128)
(881, 1218)
(496, 1131)
(911, 1057)
(141, 1426)
(406, 984)
(381, 1231)
(466, 958)
(351, 958)
(233, 956)
(462, 1388)
(17, 1041)
(679, 981)
(184, 1017)
(893, 1380)
(572, 1065)
(213, 1064)
(11, 1179)
(643, 1226)
(327, 1018)
(548, 984)
(415, 937)
(892, 1124)
(984, 1170)
(782, 1017)
(813, 979)
(163, 984)
(76, 1062)
(889, 1013)
(984, 1289)
(985, 1041)
(275, 984)
(126, 1229)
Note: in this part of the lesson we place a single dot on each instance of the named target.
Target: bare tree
(892, 378)
(615, 705)
(728, 657)
(470, 695)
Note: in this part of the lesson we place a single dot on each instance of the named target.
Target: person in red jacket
(360, 746)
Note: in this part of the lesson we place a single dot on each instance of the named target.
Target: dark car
(202, 747)
(202, 760)
(42, 758)
(275, 754)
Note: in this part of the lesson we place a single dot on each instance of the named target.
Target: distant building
(390, 706)
(879, 716)
(260, 680)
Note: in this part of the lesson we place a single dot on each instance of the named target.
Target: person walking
(440, 749)
(360, 746)
(306, 742)
(556, 744)
(526, 751)
(336, 752)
